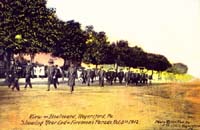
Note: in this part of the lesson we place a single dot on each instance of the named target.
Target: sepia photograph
(99, 65)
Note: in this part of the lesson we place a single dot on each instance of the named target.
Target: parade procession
(56, 75)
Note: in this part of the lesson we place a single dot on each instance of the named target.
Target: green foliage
(124, 55)
(97, 47)
(121, 52)
(72, 42)
(30, 19)
(157, 62)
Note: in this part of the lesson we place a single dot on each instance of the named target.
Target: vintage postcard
(99, 65)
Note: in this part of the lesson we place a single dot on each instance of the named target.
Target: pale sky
(167, 27)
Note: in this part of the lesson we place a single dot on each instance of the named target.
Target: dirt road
(164, 106)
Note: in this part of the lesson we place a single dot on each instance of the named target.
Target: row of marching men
(52, 75)
(14, 73)
(88, 76)
(111, 76)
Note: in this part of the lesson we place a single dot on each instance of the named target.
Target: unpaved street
(163, 106)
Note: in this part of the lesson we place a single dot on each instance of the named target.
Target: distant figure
(120, 76)
(83, 76)
(51, 75)
(150, 78)
(92, 75)
(88, 75)
(96, 72)
(72, 74)
(28, 72)
(101, 77)
(57, 74)
(127, 76)
(10, 74)
(110, 76)
(16, 70)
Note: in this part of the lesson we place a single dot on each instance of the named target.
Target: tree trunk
(32, 57)
(66, 64)
(116, 67)
(159, 75)
(152, 72)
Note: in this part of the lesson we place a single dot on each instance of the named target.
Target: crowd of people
(87, 76)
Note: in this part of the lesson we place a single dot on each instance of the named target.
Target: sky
(167, 27)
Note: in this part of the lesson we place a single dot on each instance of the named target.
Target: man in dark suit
(88, 75)
(10, 74)
(120, 76)
(110, 76)
(57, 74)
(83, 76)
(92, 75)
(51, 74)
(101, 77)
(127, 76)
(28, 72)
(15, 72)
(72, 73)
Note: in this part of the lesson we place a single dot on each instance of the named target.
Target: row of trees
(28, 27)
(100, 51)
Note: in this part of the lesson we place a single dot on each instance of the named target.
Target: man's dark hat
(50, 61)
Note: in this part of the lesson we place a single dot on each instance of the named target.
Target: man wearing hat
(127, 76)
(101, 77)
(10, 74)
(88, 75)
(112, 75)
(51, 74)
(28, 72)
(83, 76)
(72, 73)
(15, 72)
(120, 76)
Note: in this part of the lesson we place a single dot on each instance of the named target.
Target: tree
(72, 42)
(137, 57)
(156, 62)
(111, 54)
(128, 56)
(97, 47)
(121, 53)
(27, 26)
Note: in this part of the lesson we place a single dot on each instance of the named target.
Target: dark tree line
(29, 27)
(121, 54)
